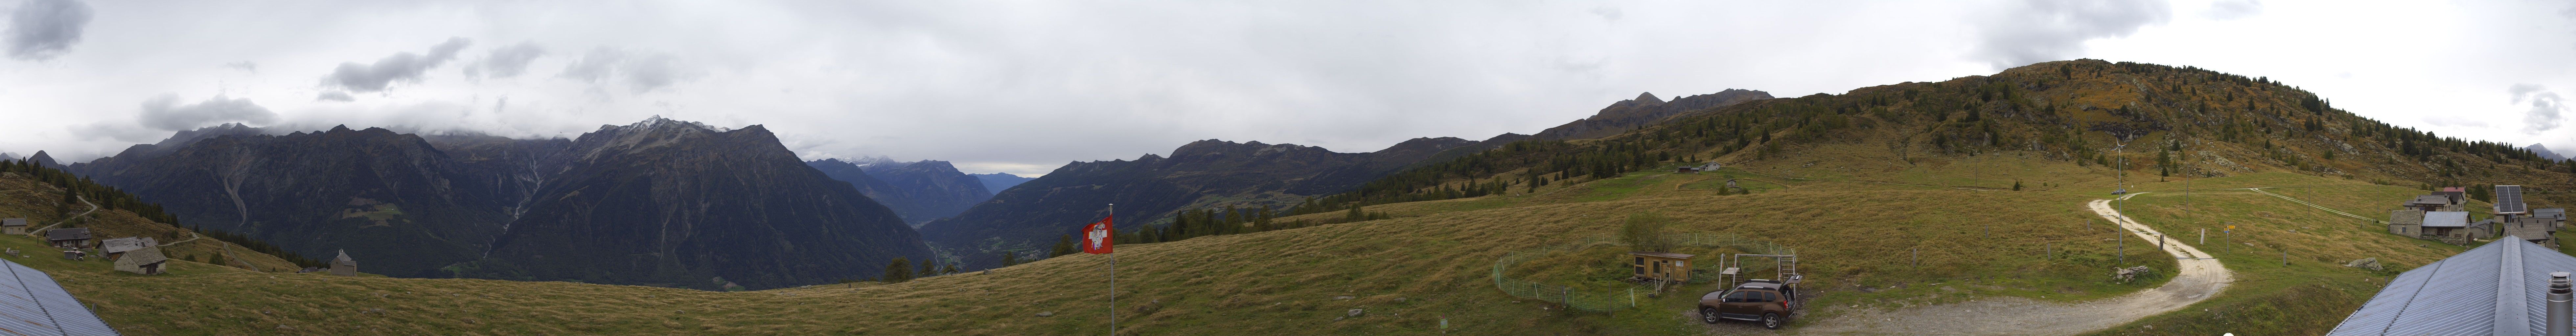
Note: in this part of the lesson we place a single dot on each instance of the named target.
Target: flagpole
(1113, 271)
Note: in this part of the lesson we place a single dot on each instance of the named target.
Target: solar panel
(2509, 200)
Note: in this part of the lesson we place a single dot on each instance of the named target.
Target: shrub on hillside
(1647, 232)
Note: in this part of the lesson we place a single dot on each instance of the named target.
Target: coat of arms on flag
(1097, 237)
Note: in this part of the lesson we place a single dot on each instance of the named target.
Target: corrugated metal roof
(32, 304)
(2490, 290)
(13, 222)
(2446, 219)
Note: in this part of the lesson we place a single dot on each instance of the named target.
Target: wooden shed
(145, 261)
(343, 266)
(15, 226)
(1665, 266)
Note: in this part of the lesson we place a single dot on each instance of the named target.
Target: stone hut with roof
(145, 261)
(343, 266)
(71, 238)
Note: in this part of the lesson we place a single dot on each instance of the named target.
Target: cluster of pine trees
(77, 189)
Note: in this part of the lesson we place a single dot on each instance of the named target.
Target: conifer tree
(898, 271)
(1063, 246)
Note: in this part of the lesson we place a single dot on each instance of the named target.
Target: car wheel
(1707, 314)
(1771, 321)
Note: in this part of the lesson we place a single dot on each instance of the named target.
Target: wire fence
(1613, 300)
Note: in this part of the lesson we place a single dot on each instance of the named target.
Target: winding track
(2201, 277)
(39, 232)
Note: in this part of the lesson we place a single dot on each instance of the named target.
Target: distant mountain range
(1027, 218)
(2544, 153)
(997, 182)
(660, 202)
(1210, 173)
(680, 204)
(918, 191)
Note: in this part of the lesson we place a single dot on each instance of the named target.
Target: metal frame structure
(1733, 265)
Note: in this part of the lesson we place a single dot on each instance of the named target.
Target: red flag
(1098, 237)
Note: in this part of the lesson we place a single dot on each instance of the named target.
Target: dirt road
(2201, 276)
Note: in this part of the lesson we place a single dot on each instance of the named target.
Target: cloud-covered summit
(2050, 30)
(42, 29)
(404, 66)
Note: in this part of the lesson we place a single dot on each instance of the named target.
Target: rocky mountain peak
(44, 160)
(1647, 97)
(2544, 152)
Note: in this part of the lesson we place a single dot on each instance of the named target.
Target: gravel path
(2201, 277)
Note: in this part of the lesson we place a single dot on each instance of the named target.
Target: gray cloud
(2049, 30)
(334, 96)
(42, 29)
(506, 62)
(244, 66)
(403, 66)
(2234, 9)
(165, 113)
(640, 72)
(2547, 112)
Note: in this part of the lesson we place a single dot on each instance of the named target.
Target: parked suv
(1757, 300)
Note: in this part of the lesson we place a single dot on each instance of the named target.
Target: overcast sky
(1023, 87)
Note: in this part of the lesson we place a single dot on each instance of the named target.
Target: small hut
(2408, 223)
(117, 247)
(343, 266)
(15, 226)
(2441, 225)
(1687, 170)
(1665, 266)
(145, 261)
(2458, 195)
(71, 238)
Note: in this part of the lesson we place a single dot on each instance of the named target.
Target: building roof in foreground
(2496, 289)
(32, 304)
